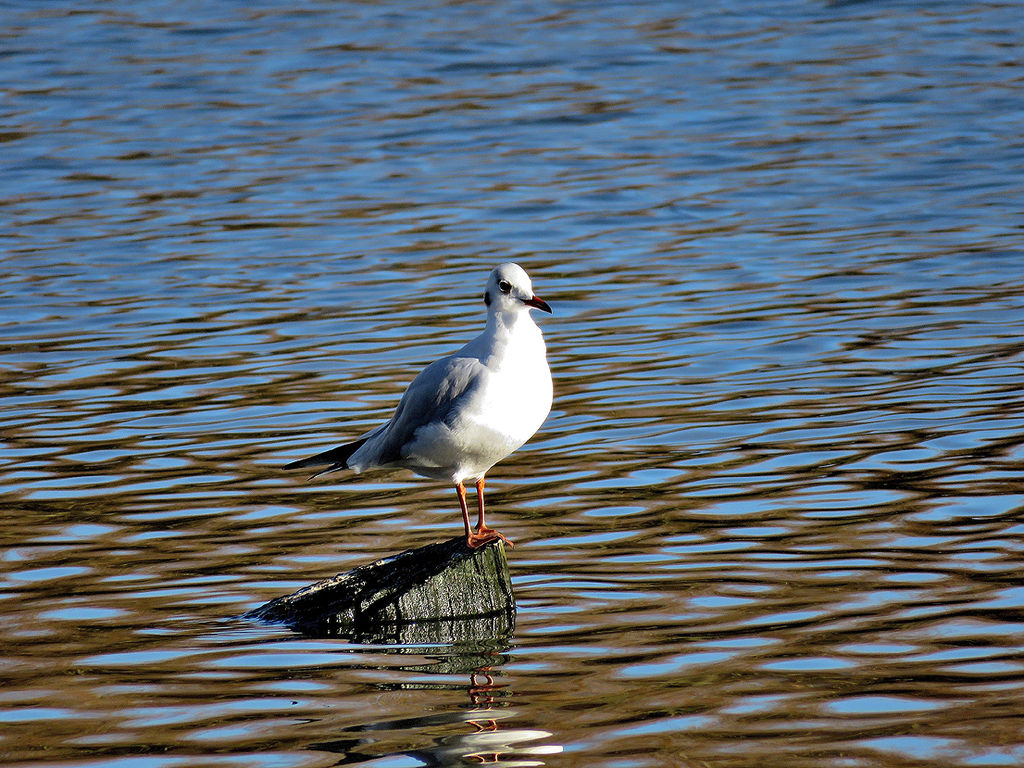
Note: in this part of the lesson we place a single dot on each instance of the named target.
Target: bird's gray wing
(430, 398)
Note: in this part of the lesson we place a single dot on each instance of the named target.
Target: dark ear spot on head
(487, 298)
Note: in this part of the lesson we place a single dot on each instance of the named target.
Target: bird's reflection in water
(440, 657)
(484, 732)
(482, 690)
(493, 744)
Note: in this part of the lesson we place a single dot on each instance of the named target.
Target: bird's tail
(336, 458)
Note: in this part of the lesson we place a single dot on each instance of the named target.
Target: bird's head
(509, 290)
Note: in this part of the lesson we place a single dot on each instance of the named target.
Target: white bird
(466, 412)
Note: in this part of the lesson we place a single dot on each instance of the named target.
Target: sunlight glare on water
(775, 515)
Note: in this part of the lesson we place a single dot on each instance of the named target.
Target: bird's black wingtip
(335, 458)
(332, 468)
(300, 463)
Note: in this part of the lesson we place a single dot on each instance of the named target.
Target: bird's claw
(483, 536)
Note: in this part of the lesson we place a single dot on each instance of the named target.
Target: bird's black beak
(539, 303)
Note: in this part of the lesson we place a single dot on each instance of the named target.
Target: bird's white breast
(516, 398)
(509, 405)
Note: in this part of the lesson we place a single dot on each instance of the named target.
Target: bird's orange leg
(461, 490)
(483, 534)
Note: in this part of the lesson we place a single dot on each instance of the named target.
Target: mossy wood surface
(443, 592)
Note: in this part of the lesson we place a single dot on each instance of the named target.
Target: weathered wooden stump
(441, 593)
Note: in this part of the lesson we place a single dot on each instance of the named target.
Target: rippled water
(775, 517)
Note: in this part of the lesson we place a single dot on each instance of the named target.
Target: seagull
(466, 412)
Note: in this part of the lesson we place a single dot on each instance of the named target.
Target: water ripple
(775, 514)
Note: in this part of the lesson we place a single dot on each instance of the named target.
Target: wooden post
(441, 593)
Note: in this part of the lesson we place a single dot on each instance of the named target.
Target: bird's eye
(504, 286)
